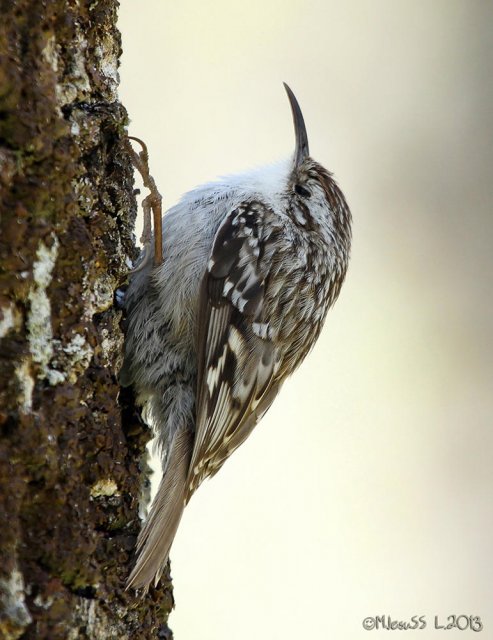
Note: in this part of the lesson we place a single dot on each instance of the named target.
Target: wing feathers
(237, 358)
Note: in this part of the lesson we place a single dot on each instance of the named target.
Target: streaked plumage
(252, 264)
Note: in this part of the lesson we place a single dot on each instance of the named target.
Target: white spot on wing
(262, 330)
(235, 341)
(214, 373)
(228, 285)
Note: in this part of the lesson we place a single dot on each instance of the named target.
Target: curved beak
(301, 152)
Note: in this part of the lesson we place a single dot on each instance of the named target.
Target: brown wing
(237, 358)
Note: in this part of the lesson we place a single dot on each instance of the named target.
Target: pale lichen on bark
(17, 616)
(39, 329)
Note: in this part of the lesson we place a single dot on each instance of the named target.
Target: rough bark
(69, 463)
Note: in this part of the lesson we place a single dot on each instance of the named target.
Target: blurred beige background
(367, 489)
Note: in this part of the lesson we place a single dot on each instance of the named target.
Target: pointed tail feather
(158, 532)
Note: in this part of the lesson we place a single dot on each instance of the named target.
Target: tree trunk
(69, 462)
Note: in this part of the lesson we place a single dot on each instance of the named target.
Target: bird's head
(313, 193)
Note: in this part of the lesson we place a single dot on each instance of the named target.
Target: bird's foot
(151, 203)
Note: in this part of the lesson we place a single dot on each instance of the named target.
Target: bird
(251, 264)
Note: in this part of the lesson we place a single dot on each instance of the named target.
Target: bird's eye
(301, 191)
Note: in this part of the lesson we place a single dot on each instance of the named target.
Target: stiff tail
(158, 532)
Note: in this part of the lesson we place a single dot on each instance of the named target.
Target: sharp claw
(145, 260)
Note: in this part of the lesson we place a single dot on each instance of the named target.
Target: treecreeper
(251, 263)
